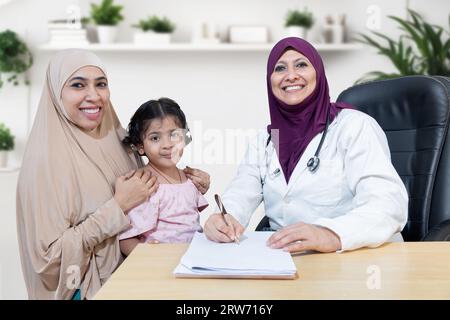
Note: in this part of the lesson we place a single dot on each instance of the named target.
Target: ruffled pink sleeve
(202, 203)
(143, 218)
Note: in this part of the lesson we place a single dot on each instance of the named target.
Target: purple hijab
(299, 124)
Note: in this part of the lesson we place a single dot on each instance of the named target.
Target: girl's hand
(134, 188)
(303, 236)
(217, 230)
(200, 178)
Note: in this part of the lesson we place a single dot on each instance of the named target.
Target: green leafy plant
(6, 138)
(15, 57)
(156, 24)
(299, 18)
(106, 14)
(428, 55)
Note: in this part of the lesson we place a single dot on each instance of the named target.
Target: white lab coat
(355, 192)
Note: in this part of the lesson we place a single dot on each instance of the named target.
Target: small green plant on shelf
(106, 13)
(6, 138)
(423, 49)
(15, 57)
(156, 24)
(296, 18)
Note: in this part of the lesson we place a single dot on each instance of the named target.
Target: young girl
(159, 131)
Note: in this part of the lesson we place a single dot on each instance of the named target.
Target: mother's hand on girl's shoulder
(134, 188)
(200, 178)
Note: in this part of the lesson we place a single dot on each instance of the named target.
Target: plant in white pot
(6, 144)
(154, 30)
(298, 22)
(106, 16)
(15, 57)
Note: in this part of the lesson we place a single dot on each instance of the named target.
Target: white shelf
(190, 47)
(9, 169)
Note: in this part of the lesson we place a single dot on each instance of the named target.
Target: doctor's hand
(303, 236)
(217, 230)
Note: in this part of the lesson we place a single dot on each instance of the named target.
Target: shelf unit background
(220, 87)
(192, 47)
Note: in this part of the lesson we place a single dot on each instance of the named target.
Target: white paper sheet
(250, 258)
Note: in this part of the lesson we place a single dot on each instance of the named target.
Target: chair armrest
(264, 223)
(441, 232)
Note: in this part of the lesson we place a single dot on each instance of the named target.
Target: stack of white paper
(251, 258)
(68, 34)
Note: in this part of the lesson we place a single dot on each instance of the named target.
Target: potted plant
(154, 30)
(15, 57)
(426, 51)
(6, 144)
(106, 16)
(298, 22)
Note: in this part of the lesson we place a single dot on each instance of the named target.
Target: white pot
(151, 37)
(106, 34)
(3, 159)
(294, 31)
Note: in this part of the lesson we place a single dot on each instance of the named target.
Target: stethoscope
(312, 164)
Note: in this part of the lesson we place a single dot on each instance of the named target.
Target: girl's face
(85, 96)
(293, 78)
(163, 142)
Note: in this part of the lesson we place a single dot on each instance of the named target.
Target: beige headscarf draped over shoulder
(67, 219)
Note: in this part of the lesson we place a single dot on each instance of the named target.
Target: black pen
(223, 212)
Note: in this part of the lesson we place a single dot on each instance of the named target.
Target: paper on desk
(249, 258)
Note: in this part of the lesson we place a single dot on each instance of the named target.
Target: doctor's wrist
(331, 238)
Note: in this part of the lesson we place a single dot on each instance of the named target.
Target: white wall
(217, 90)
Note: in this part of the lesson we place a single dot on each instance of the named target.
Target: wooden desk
(414, 270)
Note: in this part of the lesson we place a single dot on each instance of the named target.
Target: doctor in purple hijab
(298, 99)
(356, 199)
(298, 102)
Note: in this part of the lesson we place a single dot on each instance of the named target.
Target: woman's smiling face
(293, 78)
(85, 96)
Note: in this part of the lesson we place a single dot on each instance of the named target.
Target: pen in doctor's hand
(223, 213)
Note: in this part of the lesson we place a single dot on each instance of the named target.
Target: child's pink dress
(170, 215)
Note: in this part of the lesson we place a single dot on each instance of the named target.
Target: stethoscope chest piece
(313, 163)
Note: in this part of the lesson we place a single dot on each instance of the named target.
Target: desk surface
(413, 270)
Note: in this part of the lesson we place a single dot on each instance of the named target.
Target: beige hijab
(67, 220)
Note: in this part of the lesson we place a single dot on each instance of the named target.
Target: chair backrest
(414, 113)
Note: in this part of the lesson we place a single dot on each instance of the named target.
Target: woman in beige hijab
(77, 183)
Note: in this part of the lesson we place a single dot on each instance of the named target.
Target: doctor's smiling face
(85, 96)
(293, 78)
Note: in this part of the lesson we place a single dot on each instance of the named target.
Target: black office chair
(414, 112)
